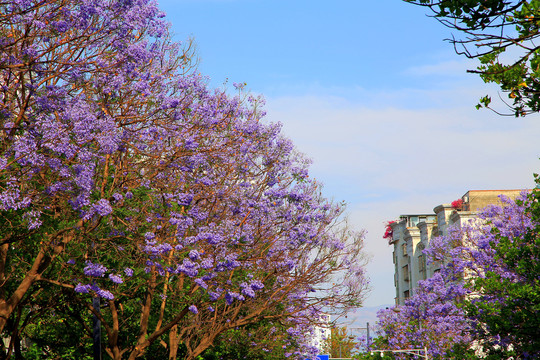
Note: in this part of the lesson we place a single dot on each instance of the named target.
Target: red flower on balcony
(388, 232)
(457, 204)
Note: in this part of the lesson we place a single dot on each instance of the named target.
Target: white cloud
(387, 160)
(454, 68)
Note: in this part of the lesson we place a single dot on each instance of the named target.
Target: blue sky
(371, 92)
(282, 47)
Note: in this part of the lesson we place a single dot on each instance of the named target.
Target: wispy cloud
(385, 160)
(454, 68)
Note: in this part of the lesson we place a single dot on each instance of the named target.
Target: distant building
(412, 233)
(321, 333)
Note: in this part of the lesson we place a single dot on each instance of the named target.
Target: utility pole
(367, 334)
(367, 337)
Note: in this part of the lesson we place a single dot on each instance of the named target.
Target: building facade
(322, 333)
(412, 233)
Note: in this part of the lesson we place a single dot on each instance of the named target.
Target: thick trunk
(41, 262)
(142, 345)
(205, 343)
(3, 257)
(7, 306)
(173, 342)
(114, 349)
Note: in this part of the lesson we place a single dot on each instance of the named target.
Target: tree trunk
(8, 306)
(173, 342)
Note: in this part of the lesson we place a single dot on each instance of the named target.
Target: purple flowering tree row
(124, 177)
(449, 313)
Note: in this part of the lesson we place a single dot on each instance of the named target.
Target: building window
(406, 294)
(404, 249)
(405, 273)
(422, 266)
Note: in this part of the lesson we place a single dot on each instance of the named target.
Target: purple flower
(103, 207)
(60, 26)
(33, 219)
(207, 264)
(82, 289)
(105, 294)
(201, 283)
(96, 270)
(248, 292)
(213, 295)
(128, 272)
(116, 279)
(256, 285)
(194, 255)
(193, 309)
(71, 261)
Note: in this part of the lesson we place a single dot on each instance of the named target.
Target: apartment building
(412, 233)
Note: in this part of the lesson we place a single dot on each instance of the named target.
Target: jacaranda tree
(124, 177)
(62, 64)
(444, 313)
(507, 313)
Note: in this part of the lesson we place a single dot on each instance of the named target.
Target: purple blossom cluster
(96, 270)
(85, 289)
(117, 279)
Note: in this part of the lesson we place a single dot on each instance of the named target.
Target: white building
(412, 233)
(321, 333)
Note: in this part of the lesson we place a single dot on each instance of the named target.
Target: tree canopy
(509, 308)
(124, 177)
(503, 36)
